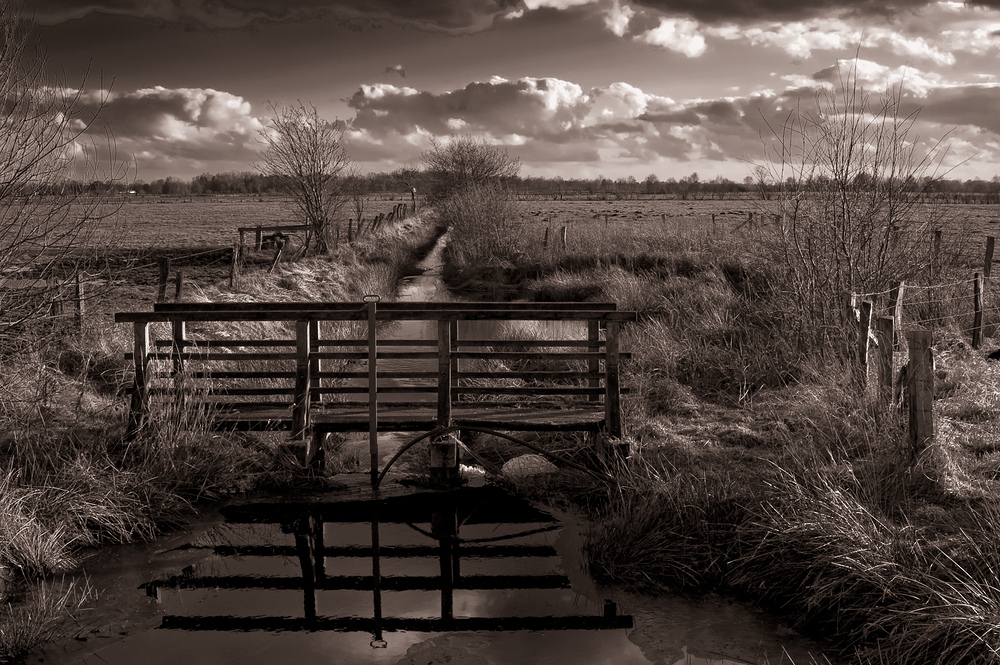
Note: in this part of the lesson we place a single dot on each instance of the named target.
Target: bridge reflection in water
(472, 559)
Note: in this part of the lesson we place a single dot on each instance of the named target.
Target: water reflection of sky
(257, 568)
(665, 630)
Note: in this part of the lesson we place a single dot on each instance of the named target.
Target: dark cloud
(449, 15)
(975, 106)
(757, 10)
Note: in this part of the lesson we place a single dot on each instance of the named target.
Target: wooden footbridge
(316, 368)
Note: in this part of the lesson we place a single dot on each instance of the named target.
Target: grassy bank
(69, 480)
(759, 468)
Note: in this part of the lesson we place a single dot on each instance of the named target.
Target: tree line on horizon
(251, 183)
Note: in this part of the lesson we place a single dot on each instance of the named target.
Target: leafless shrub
(306, 156)
(846, 215)
(48, 221)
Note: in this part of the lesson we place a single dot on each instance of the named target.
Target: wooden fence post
(896, 302)
(161, 289)
(315, 364)
(81, 305)
(920, 391)
(371, 304)
(456, 363)
(850, 317)
(988, 263)
(545, 239)
(884, 330)
(563, 233)
(179, 291)
(314, 443)
(259, 240)
(55, 295)
(864, 332)
(977, 311)
(233, 267)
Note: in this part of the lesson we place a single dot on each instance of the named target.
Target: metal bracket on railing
(371, 302)
(441, 431)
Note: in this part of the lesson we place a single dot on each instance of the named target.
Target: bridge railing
(322, 367)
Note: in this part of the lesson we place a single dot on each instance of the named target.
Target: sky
(573, 88)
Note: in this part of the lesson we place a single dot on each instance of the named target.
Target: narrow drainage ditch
(472, 576)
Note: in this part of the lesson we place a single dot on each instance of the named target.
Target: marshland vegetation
(761, 467)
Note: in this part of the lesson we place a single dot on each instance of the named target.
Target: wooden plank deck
(410, 418)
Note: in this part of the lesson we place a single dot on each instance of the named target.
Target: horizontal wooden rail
(360, 315)
(304, 306)
(290, 227)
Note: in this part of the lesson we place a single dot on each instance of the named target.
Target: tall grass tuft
(38, 617)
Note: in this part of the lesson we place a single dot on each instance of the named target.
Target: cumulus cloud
(548, 120)
(186, 130)
(551, 124)
(681, 35)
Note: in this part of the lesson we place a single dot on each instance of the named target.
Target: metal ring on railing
(371, 297)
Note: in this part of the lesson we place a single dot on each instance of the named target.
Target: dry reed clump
(889, 562)
(482, 226)
(39, 616)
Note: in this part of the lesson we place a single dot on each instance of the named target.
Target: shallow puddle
(470, 576)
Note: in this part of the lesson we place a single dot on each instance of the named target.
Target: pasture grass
(759, 469)
(70, 479)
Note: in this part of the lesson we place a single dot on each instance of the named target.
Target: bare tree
(464, 162)
(48, 221)
(305, 155)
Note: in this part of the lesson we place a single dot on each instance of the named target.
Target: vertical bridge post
(614, 447)
(371, 303)
(594, 365)
(140, 388)
(300, 408)
(444, 450)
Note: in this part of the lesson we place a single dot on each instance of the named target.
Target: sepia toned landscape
(313, 350)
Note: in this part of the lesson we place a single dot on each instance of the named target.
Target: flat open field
(203, 223)
(646, 225)
(198, 233)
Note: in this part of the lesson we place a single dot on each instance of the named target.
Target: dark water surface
(470, 576)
